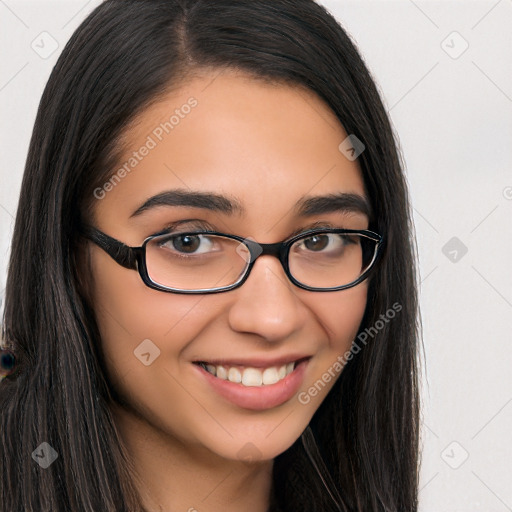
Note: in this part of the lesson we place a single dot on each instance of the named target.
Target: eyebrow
(305, 206)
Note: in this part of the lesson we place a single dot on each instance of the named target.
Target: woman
(211, 295)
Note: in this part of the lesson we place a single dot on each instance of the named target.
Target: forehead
(265, 145)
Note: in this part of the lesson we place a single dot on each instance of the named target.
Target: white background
(452, 111)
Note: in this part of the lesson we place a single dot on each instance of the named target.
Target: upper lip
(256, 362)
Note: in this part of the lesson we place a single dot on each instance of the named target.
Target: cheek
(341, 314)
(129, 313)
(340, 317)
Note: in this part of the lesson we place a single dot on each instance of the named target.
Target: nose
(267, 303)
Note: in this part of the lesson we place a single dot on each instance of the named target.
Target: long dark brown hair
(361, 449)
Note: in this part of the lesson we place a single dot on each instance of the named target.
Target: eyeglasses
(212, 262)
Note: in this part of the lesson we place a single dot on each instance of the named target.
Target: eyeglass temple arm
(121, 253)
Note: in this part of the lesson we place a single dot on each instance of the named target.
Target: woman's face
(265, 147)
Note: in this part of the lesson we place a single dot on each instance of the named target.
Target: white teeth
(250, 376)
(234, 375)
(222, 373)
(270, 376)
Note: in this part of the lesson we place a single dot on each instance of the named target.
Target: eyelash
(200, 225)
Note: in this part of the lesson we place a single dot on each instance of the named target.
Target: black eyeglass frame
(135, 257)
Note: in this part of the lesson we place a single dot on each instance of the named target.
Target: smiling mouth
(251, 376)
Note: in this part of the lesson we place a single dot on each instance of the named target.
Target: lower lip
(257, 398)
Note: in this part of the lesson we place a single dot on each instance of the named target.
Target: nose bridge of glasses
(257, 249)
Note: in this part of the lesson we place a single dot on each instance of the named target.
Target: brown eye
(316, 242)
(324, 244)
(186, 243)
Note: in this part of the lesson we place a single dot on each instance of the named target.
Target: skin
(267, 145)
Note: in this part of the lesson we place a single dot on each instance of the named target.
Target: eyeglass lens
(191, 261)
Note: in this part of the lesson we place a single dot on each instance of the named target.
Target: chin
(261, 441)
